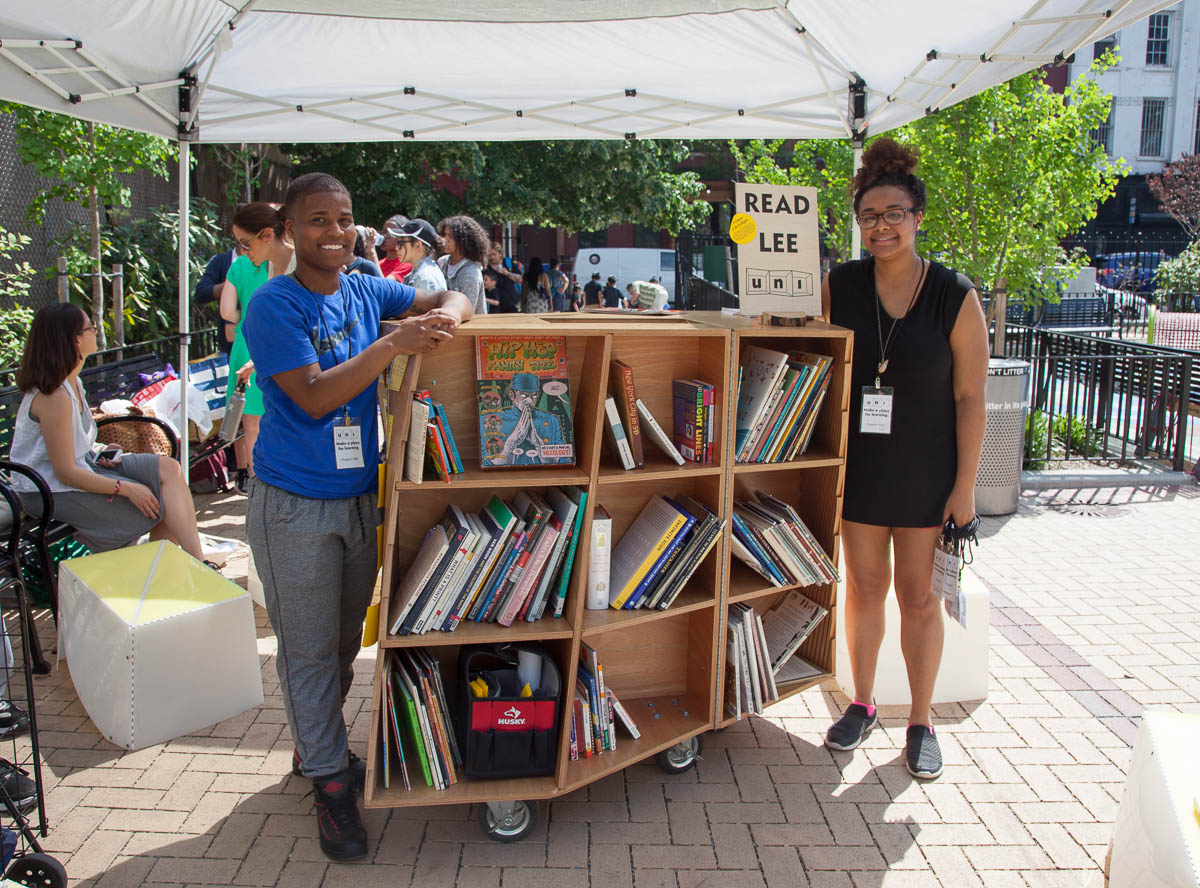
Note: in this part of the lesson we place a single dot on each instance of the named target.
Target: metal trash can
(998, 484)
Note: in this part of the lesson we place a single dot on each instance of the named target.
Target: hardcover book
(524, 397)
(621, 387)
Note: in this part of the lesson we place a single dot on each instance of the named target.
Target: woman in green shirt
(258, 228)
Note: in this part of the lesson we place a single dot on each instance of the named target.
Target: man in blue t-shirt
(316, 342)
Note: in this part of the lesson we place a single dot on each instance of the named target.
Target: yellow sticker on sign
(742, 228)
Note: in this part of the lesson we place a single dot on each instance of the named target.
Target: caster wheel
(681, 756)
(508, 821)
(40, 870)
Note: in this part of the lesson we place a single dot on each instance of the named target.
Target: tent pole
(185, 321)
(855, 233)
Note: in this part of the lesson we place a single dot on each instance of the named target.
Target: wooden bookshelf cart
(666, 666)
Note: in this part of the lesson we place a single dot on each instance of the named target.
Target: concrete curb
(1071, 480)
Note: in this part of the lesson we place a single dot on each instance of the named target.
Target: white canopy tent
(376, 70)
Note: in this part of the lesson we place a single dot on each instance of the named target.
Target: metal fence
(1098, 397)
(201, 344)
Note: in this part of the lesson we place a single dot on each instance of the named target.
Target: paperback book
(524, 394)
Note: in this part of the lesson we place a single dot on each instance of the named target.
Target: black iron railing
(1093, 396)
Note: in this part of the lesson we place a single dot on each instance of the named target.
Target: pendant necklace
(897, 323)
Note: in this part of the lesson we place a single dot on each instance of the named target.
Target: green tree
(1010, 173)
(578, 185)
(824, 164)
(15, 318)
(84, 163)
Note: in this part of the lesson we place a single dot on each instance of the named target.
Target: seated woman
(109, 503)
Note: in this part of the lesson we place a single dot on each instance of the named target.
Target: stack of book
(511, 561)
(785, 627)
(430, 439)
(779, 398)
(629, 421)
(652, 562)
(771, 537)
(596, 711)
(749, 678)
(417, 732)
(695, 423)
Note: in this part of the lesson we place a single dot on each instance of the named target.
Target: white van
(626, 264)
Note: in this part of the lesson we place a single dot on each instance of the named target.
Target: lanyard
(897, 324)
(322, 326)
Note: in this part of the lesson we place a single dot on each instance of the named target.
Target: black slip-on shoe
(852, 728)
(922, 754)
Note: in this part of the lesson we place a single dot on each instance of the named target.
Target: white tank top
(29, 446)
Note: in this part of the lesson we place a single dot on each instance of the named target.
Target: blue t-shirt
(287, 326)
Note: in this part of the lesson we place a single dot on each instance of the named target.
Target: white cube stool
(1156, 839)
(159, 645)
(964, 671)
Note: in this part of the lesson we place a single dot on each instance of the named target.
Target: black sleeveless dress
(903, 479)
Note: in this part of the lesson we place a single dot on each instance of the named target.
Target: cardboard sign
(780, 268)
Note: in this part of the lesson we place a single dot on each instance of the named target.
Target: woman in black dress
(916, 428)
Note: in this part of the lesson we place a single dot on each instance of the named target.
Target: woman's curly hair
(887, 162)
(473, 242)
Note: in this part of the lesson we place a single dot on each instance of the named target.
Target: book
(385, 723)
(508, 556)
(496, 521)
(615, 432)
(689, 520)
(463, 540)
(589, 665)
(624, 719)
(761, 369)
(423, 735)
(414, 454)
(688, 414)
(443, 424)
(584, 715)
(599, 560)
(533, 569)
(437, 451)
(656, 434)
(733, 670)
(565, 509)
(797, 669)
(524, 394)
(579, 496)
(640, 547)
(621, 386)
(788, 624)
(703, 537)
(428, 557)
(764, 661)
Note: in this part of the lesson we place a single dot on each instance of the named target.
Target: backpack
(210, 475)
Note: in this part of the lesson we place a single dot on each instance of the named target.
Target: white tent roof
(375, 70)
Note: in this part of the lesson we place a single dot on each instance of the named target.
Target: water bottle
(233, 413)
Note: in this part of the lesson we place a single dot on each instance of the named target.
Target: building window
(1100, 47)
(1102, 135)
(1158, 42)
(1153, 113)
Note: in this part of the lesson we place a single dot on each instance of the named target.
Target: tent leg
(185, 319)
(855, 233)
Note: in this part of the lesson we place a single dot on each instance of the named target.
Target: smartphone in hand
(112, 453)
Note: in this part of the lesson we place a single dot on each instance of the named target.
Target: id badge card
(348, 447)
(876, 415)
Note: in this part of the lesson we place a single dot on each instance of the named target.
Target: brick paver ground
(1095, 615)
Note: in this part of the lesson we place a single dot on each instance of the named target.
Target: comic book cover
(524, 401)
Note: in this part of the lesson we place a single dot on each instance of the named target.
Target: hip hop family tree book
(524, 401)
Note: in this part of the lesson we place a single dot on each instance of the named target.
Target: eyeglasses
(244, 246)
(87, 329)
(867, 221)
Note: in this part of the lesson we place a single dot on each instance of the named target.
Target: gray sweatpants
(316, 559)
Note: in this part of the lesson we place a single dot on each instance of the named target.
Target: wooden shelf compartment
(422, 506)
(815, 493)
(662, 674)
(658, 467)
(815, 458)
(692, 598)
(448, 373)
(829, 436)
(656, 363)
(786, 690)
(466, 790)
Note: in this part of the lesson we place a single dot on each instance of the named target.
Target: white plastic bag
(165, 405)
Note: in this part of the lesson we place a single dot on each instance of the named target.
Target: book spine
(623, 374)
(616, 433)
(660, 564)
(448, 435)
(647, 563)
(599, 562)
(560, 596)
(656, 434)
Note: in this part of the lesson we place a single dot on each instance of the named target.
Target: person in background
(612, 296)
(420, 245)
(392, 266)
(268, 254)
(921, 355)
(559, 285)
(535, 288)
(648, 295)
(593, 290)
(631, 295)
(507, 281)
(575, 301)
(490, 293)
(467, 246)
(361, 263)
(311, 517)
(208, 289)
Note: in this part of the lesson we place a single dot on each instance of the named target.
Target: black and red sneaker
(340, 827)
(358, 769)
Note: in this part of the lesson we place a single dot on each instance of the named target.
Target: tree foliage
(15, 277)
(578, 185)
(824, 164)
(1180, 276)
(1009, 174)
(1177, 190)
